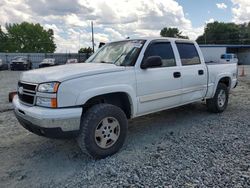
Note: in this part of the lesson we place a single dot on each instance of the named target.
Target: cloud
(241, 11)
(115, 35)
(221, 5)
(56, 7)
(74, 20)
(113, 20)
(211, 20)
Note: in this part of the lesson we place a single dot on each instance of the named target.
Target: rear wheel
(220, 100)
(103, 130)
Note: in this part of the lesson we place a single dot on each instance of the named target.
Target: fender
(219, 77)
(84, 96)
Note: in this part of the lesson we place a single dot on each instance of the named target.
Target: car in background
(3, 66)
(228, 58)
(20, 63)
(47, 62)
(70, 61)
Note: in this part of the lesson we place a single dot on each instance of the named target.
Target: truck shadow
(37, 158)
(141, 131)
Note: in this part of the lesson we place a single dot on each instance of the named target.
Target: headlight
(46, 102)
(47, 96)
(51, 87)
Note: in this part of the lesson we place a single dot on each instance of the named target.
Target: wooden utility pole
(93, 40)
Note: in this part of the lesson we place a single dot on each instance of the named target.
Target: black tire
(91, 120)
(213, 105)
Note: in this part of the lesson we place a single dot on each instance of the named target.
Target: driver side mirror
(151, 62)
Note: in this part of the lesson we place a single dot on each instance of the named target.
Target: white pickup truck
(122, 80)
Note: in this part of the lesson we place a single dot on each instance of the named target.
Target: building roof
(225, 45)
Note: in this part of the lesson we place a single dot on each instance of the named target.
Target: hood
(47, 62)
(68, 71)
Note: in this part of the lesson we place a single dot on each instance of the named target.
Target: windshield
(123, 53)
(19, 57)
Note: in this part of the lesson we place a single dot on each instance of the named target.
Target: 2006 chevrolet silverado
(122, 80)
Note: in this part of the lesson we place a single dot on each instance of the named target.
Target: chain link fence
(36, 58)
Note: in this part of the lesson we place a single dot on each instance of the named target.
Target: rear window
(188, 54)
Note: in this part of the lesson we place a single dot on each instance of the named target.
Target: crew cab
(125, 79)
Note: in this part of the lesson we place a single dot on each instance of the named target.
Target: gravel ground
(182, 147)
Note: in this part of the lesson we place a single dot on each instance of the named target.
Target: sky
(119, 19)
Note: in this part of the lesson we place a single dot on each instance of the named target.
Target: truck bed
(217, 71)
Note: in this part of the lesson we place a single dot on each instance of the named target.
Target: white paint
(149, 90)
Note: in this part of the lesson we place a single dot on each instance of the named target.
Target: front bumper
(52, 123)
(18, 66)
(45, 65)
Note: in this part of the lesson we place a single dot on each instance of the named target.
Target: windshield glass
(19, 57)
(123, 53)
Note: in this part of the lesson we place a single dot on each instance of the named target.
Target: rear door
(159, 87)
(194, 72)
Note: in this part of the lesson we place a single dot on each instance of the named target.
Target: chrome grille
(27, 92)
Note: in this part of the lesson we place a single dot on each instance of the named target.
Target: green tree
(29, 37)
(172, 32)
(85, 50)
(3, 41)
(225, 33)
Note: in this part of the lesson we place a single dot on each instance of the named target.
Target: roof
(225, 45)
(154, 38)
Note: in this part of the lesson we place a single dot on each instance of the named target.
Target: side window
(188, 54)
(164, 50)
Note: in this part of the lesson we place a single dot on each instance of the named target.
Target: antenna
(93, 41)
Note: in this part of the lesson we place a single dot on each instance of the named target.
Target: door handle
(200, 72)
(177, 74)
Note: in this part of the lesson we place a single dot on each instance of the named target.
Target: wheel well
(226, 81)
(119, 99)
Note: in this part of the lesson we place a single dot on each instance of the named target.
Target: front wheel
(103, 131)
(220, 100)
